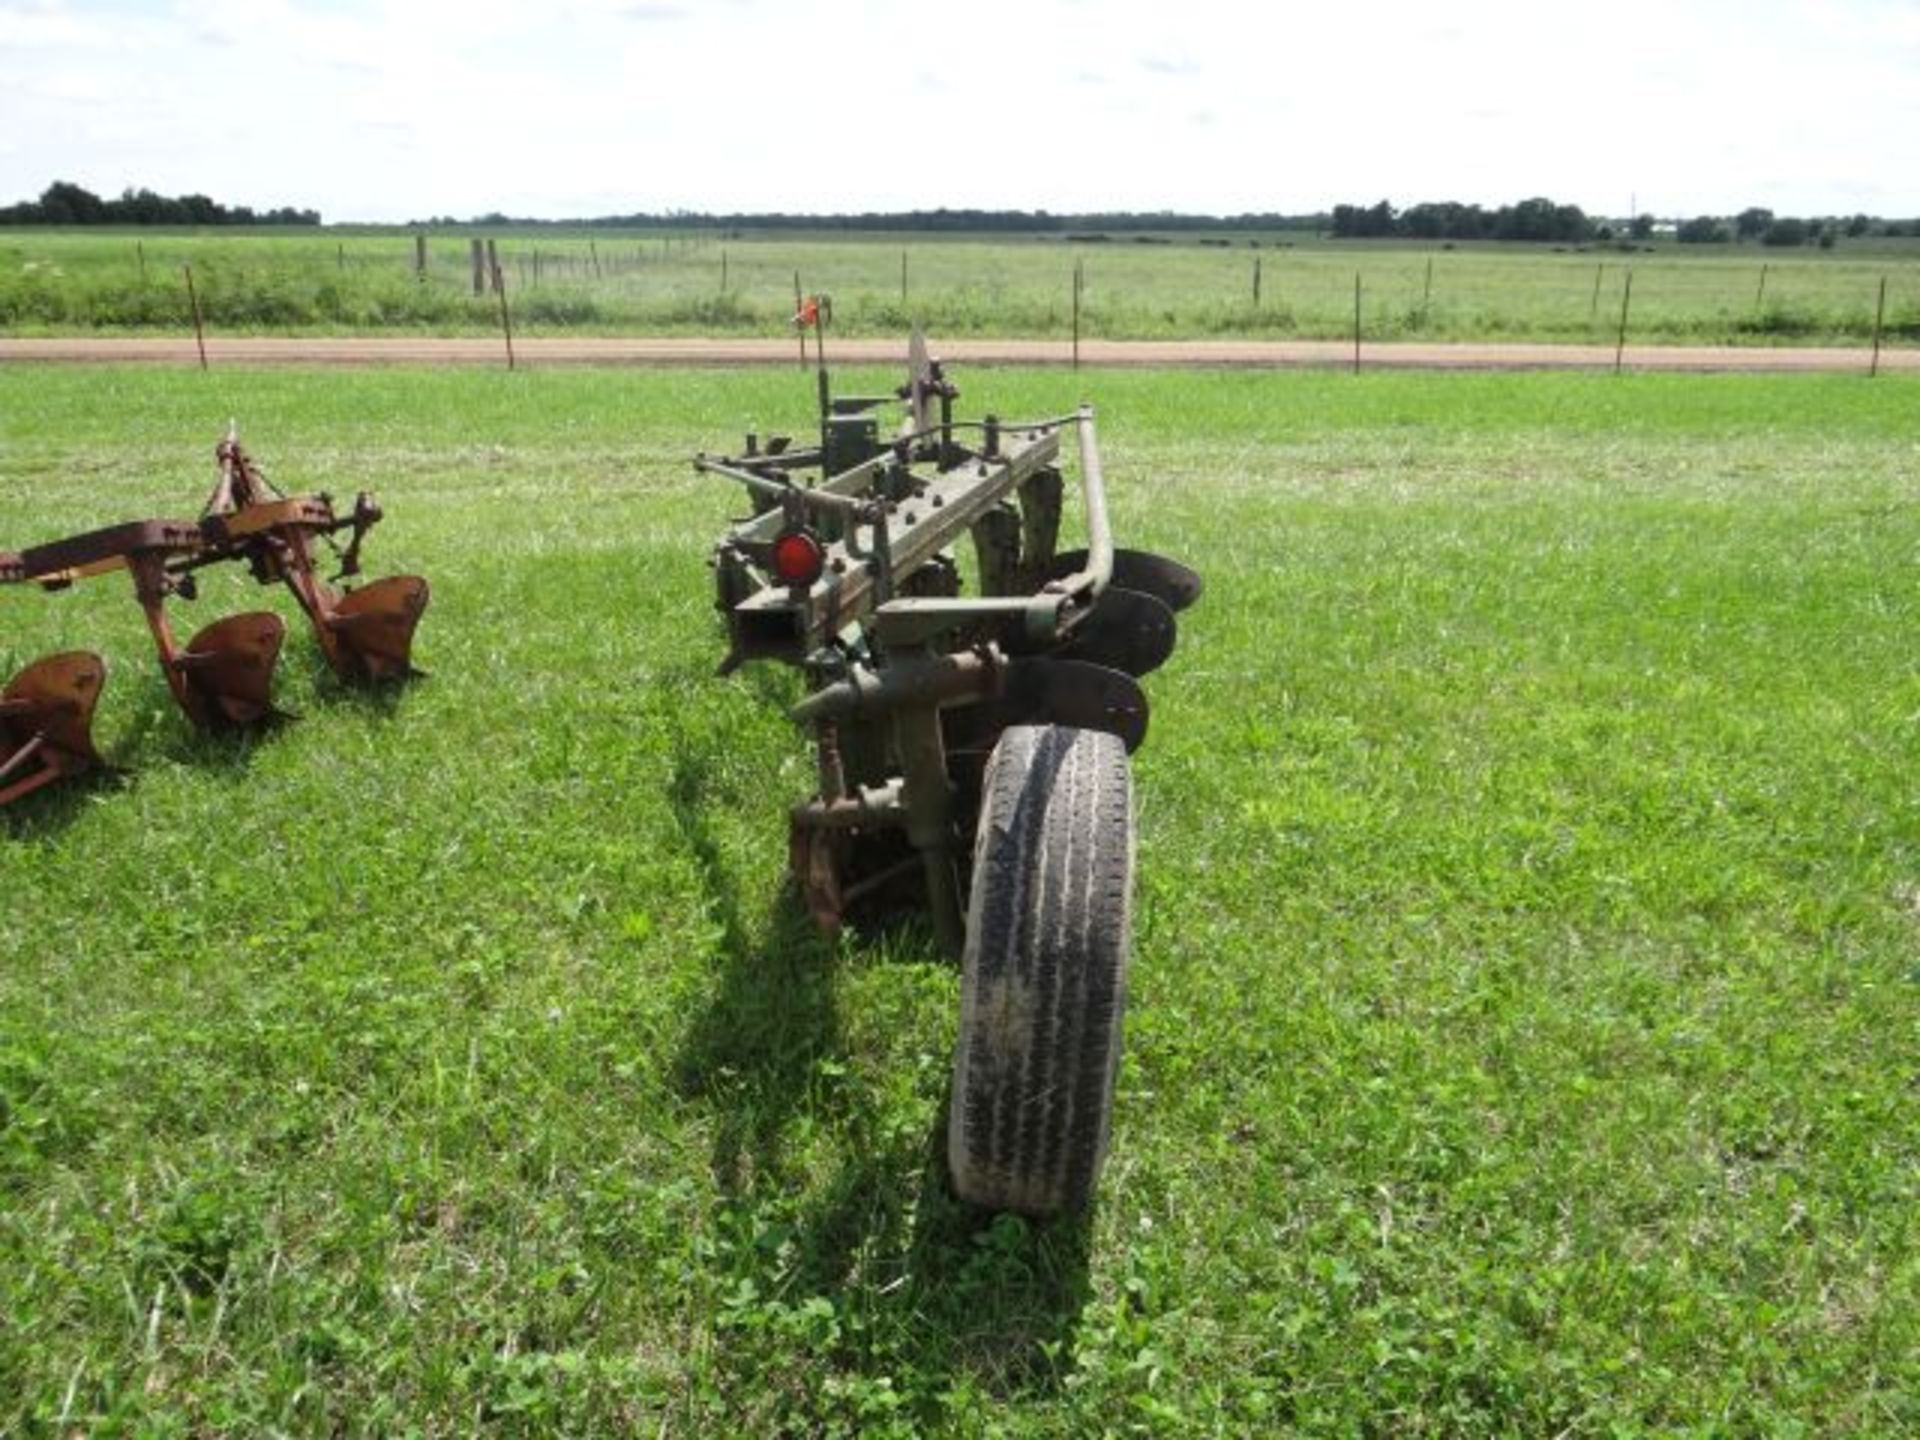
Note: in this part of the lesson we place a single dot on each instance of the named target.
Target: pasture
(613, 282)
(1525, 998)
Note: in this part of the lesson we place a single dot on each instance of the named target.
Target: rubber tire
(1044, 973)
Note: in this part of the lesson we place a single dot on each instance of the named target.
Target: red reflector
(798, 558)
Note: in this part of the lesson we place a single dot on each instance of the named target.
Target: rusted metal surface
(366, 634)
(99, 552)
(846, 567)
(46, 721)
(223, 676)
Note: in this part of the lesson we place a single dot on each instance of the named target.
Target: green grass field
(1525, 1005)
(631, 283)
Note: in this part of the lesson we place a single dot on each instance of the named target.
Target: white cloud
(381, 110)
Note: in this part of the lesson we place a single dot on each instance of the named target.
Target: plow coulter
(222, 678)
(971, 751)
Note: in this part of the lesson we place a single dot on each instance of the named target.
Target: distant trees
(1370, 222)
(1702, 230)
(1443, 220)
(1786, 230)
(944, 220)
(1541, 220)
(1537, 219)
(1781, 231)
(64, 203)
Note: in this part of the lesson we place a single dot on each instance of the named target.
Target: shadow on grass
(756, 1046)
(51, 810)
(951, 1291)
(940, 1291)
(158, 730)
(48, 811)
(373, 697)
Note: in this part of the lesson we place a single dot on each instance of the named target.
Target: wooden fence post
(478, 256)
(493, 264)
(1593, 310)
(1256, 282)
(1620, 345)
(506, 320)
(1879, 314)
(1079, 279)
(193, 303)
(420, 257)
(1356, 322)
(1760, 295)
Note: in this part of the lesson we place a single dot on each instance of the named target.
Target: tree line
(1540, 219)
(937, 221)
(1758, 223)
(64, 203)
(1537, 220)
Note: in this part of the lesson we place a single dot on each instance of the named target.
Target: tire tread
(1043, 985)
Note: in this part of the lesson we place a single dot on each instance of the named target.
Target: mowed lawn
(1525, 1034)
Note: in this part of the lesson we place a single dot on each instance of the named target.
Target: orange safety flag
(809, 312)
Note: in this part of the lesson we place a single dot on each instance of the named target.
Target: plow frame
(222, 678)
(911, 684)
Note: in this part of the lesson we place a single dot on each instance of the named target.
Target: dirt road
(599, 350)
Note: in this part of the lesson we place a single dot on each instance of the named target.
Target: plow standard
(222, 678)
(971, 751)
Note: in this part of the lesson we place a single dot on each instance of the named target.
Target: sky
(390, 110)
